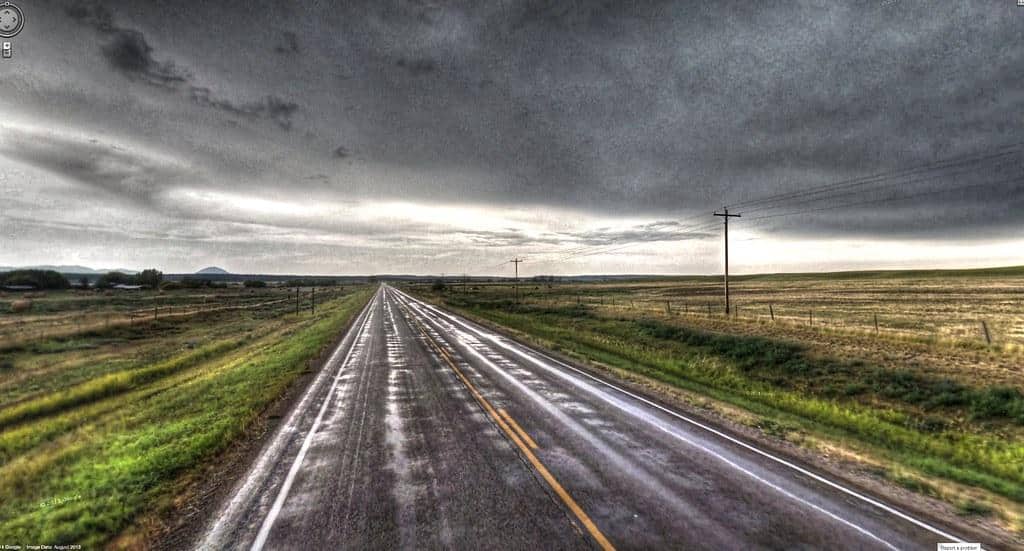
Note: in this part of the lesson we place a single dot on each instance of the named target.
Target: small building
(123, 287)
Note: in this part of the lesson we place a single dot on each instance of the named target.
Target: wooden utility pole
(725, 214)
(515, 286)
(312, 300)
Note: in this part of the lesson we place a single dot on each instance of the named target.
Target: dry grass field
(109, 403)
(930, 321)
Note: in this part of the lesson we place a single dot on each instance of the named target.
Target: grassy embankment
(923, 426)
(102, 426)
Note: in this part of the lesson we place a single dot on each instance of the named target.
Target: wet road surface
(425, 430)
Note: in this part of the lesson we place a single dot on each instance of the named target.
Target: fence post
(709, 309)
(771, 311)
(876, 323)
(810, 317)
(668, 307)
(155, 312)
(984, 328)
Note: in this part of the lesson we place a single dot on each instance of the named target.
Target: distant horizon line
(459, 276)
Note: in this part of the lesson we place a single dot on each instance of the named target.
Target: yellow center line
(523, 446)
(519, 430)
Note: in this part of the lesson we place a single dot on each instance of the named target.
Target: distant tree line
(311, 283)
(37, 279)
(147, 278)
(195, 283)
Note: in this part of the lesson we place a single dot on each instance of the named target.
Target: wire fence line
(70, 325)
(983, 324)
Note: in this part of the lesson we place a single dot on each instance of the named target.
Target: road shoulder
(180, 521)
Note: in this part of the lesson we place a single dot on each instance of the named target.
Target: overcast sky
(428, 137)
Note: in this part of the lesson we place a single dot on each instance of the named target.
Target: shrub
(311, 283)
(998, 401)
(973, 508)
(23, 305)
(194, 283)
(150, 277)
(110, 279)
(255, 283)
(40, 279)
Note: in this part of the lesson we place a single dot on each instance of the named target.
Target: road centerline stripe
(567, 499)
(519, 430)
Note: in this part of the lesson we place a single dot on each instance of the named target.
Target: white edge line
(494, 337)
(259, 472)
(268, 522)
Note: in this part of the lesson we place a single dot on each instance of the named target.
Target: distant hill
(213, 270)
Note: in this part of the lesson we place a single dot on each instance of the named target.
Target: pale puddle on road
(304, 498)
(406, 491)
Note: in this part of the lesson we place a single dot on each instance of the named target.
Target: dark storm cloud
(417, 67)
(289, 43)
(116, 172)
(128, 51)
(669, 107)
(270, 107)
(651, 108)
(581, 113)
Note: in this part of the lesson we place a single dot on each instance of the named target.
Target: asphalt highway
(425, 430)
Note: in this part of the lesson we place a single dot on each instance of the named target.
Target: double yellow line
(522, 440)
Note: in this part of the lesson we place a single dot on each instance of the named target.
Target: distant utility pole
(725, 214)
(516, 261)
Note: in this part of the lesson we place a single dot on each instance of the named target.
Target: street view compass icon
(11, 20)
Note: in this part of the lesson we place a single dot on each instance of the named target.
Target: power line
(863, 180)
(873, 186)
(1019, 179)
